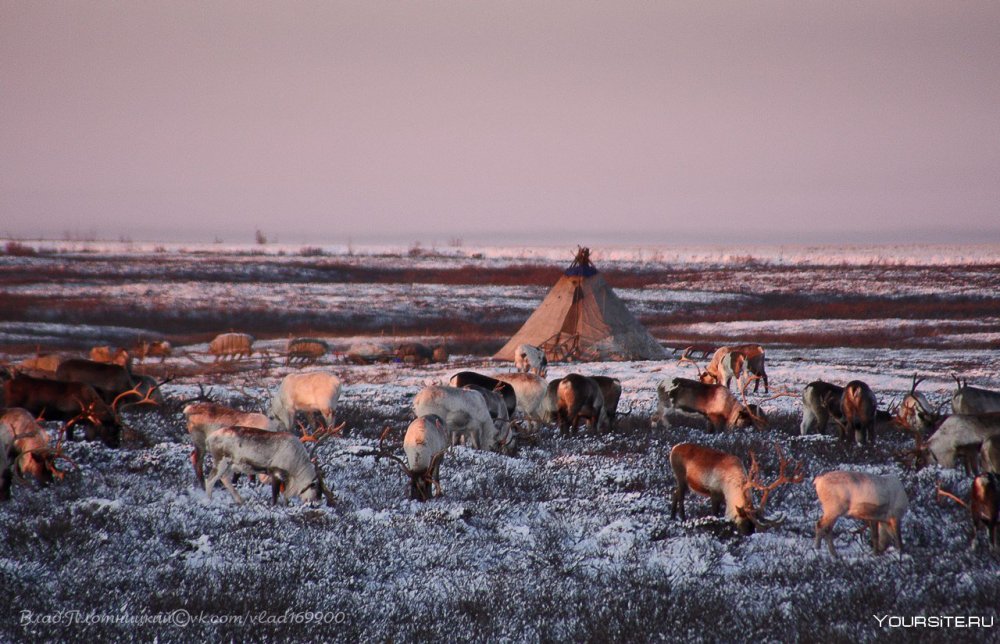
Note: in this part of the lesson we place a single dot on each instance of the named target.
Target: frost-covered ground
(569, 540)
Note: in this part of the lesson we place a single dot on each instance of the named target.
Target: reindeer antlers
(145, 398)
(944, 493)
(319, 436)
(686, 359)
(383, 452)
(753, 477)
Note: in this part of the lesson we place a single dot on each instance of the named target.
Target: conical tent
(582, 319)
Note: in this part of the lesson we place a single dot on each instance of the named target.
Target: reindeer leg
(678, 501)
(717, 505)
(897, 536)
(6, 479)
(824, 530)
(437, 478)
(197, 462)
(277, 484)
(228, 484)
(217, 471)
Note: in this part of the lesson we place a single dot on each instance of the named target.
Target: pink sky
(501, 122)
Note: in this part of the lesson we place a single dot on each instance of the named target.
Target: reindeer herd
(495, 412)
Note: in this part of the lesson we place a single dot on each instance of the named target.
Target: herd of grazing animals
(491, 412)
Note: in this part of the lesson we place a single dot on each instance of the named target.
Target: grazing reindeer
(204, 418)
(722, 477)
(715, 403)
(820, 401)
(983, 506)
(731, 362)
(531, 359)
(960, 439)
(529, 395)
(317, 391)
(880, 501)
(156, 349)
(989, 455)
(611, 390)
(972, 439)
(111, 355)
(580, 397)
(465, 415)
(421, 354)
(108, 379)
(494, 402)
(425, 443)
(505, 389)
(858, 405)
(45, 363)
(24, 450)
(59, 400)
(280, 455)
(916, 412)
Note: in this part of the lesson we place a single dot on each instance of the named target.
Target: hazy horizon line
(915, 235)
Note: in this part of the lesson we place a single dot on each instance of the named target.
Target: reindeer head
(703, 376)
(751, 518)
(752, 414)
(915, 411)
(317, 487)
(420, 482)
(37, 464)
(38, 461)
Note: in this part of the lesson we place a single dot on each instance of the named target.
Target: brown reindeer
(858, 406)
(579, 397)
(108, 379)
(25, 450)
(722, 477)
(58, 400)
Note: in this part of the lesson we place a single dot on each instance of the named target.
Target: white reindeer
(279, 455)
(530, 391)
(425, 443)
(530, 359)
(317, 391)
(464, 413)
(880, 501)
(204, 418)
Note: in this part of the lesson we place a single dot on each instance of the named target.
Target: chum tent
(582, 319)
